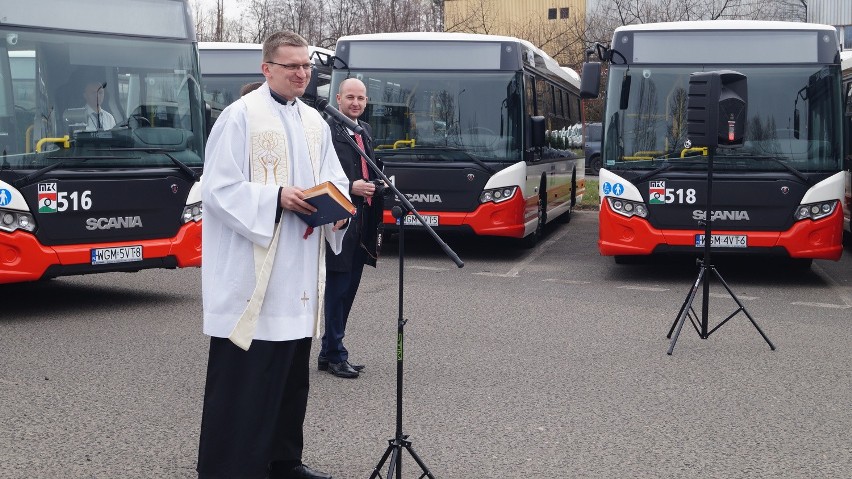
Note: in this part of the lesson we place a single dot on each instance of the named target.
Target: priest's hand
(292, 198)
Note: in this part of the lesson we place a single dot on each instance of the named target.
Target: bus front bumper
(23, 258)
(619, 235)
(489, 219)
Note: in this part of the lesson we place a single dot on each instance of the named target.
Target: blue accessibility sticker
(607, 188)
(5, 197)
(618, 189)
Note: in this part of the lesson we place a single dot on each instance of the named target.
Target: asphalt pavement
(547, 362)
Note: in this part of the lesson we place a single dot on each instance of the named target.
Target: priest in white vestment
(263, 270)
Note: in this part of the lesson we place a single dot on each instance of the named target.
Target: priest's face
(288, 71)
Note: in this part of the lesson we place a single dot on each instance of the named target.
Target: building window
(563, 12)
(551, 14)
(847, 37)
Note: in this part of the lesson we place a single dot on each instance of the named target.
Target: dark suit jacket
(363, 228)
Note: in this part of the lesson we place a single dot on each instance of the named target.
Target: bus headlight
(16, 220)
(627, 208)
(498, 195)
(192, 213)
(815, 211)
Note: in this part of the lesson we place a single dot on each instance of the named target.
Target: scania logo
(470, 177)
(721, 215)
(174, 188)
(423, 198)
(785, 190)
(113, 223)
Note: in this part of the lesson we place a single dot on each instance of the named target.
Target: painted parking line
(643, 288)
(822, 305)
(534, 254)
(565, 281)
(836, 288)
(428, 268)
(723, 295)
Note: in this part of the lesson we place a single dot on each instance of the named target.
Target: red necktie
(364, 172)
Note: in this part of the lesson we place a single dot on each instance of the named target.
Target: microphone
(322, 105)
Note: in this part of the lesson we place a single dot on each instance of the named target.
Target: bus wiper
(166, 152)
(789, 168)
(29, 179)
(665, 166)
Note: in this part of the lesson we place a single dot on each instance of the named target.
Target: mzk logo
(721, 215)
(113, 223)
(47, 193)
(423, 198)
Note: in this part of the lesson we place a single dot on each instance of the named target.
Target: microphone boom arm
(323, 104)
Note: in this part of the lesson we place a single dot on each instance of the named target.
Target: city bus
(472, 129)
(778, 194)
(846, 66)
(226, 67)
(87, 193)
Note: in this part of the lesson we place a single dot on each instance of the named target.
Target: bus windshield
(793, 120)
(147, 90)
(462, 113)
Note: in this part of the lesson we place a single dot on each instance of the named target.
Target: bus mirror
(311, 89)
(624, 99)
(537, 130)
(716, 109)
(796, 123)
(590, 82)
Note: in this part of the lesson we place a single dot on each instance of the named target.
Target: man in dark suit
(343, 271)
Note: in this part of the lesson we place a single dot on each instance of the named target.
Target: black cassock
(254, 408)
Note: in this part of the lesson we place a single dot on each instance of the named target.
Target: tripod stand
(686, 309)
(400, 441)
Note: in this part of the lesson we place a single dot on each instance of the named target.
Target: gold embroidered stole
(270, 164)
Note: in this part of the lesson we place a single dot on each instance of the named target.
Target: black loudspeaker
(716, 109)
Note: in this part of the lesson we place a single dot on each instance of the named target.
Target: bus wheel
(531, 240)
(595, 165)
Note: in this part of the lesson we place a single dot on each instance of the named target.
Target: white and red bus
(227, 66)
(779, 194)
(846, 66)
(471, 128)
(79, 196)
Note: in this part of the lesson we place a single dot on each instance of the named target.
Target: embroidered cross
(305, 299)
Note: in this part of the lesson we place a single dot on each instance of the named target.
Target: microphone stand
(99, 126)
(400, 441)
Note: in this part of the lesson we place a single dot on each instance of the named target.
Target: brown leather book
(330, 203)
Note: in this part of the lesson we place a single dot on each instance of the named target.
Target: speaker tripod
(686, 310)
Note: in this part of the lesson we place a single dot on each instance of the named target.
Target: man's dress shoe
(342, 370)
(305, 472)
(322, 364)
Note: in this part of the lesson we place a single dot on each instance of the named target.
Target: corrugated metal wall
(830, 12)
(514, 11)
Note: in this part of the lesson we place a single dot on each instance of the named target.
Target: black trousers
(340, 291)
(254, 408)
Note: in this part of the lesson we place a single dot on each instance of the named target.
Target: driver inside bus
(96, 117)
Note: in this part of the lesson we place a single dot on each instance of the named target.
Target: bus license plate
(120, 254)
(723, 241)
(431, 220)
